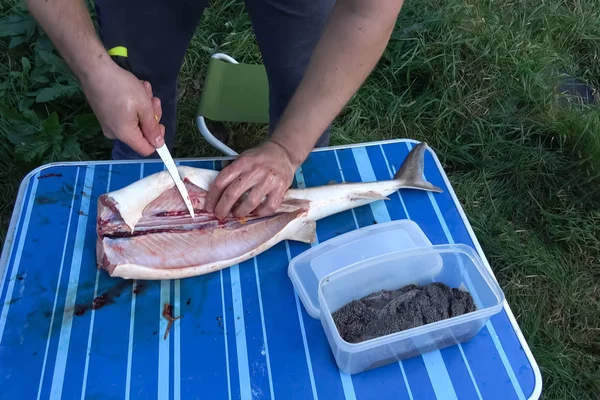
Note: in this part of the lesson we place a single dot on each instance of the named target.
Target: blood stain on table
(50, 175)
(108, 297)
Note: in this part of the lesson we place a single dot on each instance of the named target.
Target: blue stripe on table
(107, 373)
(460, 234)
(437, 380)
(77, 348)
(229, 318)
(103, 174)
(501, 348)
(64, 337)
(257, 357)
(440, 375)
(144, 349)
(204, 366)
(331, 382)
(287, 354)
(390, 377)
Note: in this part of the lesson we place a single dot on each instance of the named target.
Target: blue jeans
(157, 34)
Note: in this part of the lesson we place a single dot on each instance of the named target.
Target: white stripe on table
(489, 324)
(436, 368)
(177, 339)
(240, 333)
(69, 310)
(264, 330)
(60, 270)
(93, 313)
(225, 335)
(24, 226)
(15, 267)
(163, 344)
(163, 373)
(131, 325)
(346, 379)
(304, 340)
(391, 174)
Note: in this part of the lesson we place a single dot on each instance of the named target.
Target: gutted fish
(146, 232)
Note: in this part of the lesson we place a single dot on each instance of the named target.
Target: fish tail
(410, 173)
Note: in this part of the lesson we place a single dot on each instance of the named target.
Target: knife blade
(165, 155)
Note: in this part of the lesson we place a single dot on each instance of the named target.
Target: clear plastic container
(456, 265)
(308, 268)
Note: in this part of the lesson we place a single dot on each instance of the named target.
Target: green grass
(475, 80)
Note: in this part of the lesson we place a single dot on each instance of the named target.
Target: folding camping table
(243, 332)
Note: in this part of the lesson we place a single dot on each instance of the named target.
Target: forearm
(69, 26)
(352, 43)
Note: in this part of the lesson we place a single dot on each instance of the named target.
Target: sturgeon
(145, 231)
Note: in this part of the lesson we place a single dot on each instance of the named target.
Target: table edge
(17, 210)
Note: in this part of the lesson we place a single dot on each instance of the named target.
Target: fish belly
(167, 237)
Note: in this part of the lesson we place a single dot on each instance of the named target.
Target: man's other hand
(265, 173)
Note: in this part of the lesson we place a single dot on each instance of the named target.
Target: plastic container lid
(307, 269)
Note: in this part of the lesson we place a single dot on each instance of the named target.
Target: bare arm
(69, 26)
(123, 104)
(354, 39)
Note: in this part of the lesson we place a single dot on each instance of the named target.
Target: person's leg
(156, 34)
(287, 32)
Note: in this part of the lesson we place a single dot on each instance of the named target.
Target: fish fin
(370, 195)
(307, 233)
(411, 171)
(291, 204)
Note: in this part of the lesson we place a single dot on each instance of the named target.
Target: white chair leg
(224, 57)
(211, 139)
(202, 124)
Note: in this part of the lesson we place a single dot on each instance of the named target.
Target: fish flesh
(145, 231)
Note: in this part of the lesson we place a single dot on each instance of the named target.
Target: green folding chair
(232, 92)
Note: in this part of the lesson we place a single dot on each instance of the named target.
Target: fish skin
(137, 240)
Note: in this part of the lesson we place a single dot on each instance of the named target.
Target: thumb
(149, 124)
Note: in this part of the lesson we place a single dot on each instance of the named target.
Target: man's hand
(265, 171)
(126, 108)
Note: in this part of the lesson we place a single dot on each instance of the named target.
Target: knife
(164, 153)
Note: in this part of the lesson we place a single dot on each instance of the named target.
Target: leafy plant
(37, 114)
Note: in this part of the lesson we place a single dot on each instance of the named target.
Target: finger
(254, 198)
(223, 179)
(234, 191)
(149, 125)
(157, 107)
(148, 88)
(272, 203)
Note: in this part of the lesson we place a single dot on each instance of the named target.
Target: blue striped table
(243, 333)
